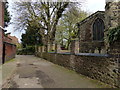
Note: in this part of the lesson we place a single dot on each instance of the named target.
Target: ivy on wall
(114, 35)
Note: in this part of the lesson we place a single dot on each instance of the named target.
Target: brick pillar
(74, 46)
(74, 49)
(57, 48)
(53, 47)
(49, 48)
(39, 48)
(43, 48)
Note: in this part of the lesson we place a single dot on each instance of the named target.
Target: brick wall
(10, 51)
(1, 31)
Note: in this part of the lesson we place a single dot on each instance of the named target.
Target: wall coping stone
(85, 54)
(67, 53)
(93, 54)
(52, 52)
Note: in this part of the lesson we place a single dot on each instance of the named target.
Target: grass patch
(12, 60)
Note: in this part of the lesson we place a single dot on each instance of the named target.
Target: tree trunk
(52, 38)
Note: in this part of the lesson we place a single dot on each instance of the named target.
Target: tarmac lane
(33, 72)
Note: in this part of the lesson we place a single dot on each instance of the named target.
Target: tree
(67, 28)
(7, 17)
(44, 15)
(31, 37)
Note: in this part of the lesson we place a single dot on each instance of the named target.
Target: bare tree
(44, 15)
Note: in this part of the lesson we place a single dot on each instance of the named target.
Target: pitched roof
(89, 17)
(14, 39)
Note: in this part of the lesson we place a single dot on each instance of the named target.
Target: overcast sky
(88, 5)
(94, 5)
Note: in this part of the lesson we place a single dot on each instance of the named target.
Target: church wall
(87, 45)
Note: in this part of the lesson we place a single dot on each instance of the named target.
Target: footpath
(6, 71)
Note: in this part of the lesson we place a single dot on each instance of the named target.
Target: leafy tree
(67, 29)
(31, 37)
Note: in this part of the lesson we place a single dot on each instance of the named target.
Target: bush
(30, 50)
(114, 35)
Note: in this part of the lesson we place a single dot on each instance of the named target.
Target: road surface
(34, 72)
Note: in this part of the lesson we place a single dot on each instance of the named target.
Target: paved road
(35, 72)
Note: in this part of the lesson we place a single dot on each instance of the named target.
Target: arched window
(98, 30)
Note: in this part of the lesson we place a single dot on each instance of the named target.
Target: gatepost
(74, 49)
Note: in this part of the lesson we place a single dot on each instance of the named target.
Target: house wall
(10, 49)
(1, 31)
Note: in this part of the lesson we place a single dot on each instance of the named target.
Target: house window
(98, 30)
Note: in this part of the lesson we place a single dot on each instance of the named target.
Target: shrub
(30, 50)
(114, 35)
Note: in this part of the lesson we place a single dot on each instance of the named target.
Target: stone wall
(96, 66)
(92, 47)
(63, 59)
(112, 17)
(115, 51)
(100, 68)
(112, 12)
